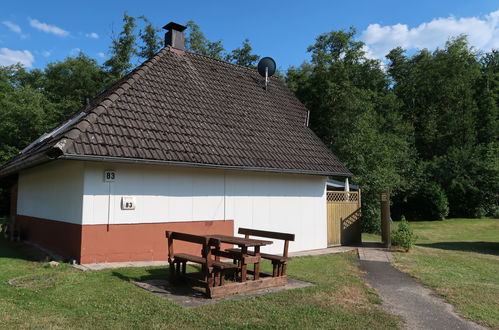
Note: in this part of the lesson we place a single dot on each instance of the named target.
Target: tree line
(423, 125)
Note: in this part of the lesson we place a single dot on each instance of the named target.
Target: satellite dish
(266, 65)
(266, 68)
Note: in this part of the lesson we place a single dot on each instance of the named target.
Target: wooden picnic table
(243, 256)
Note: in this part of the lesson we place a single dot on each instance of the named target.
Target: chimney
(175, 35)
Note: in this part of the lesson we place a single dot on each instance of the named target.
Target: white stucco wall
(267, 201)
(52, 191)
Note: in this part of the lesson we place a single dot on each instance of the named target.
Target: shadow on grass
(159, 278)
(153, 274)
(478, 247)
(19, 250)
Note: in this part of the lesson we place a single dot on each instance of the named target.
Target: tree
(122, 49)
(488, 99)
(67, 84)
(242, 56)
(355, 113)
(23, 112)
(449, 99)
(151, 42)
(197, 42)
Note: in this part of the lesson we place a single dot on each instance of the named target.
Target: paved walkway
(404, 296)
(113, 265)
(336, 249)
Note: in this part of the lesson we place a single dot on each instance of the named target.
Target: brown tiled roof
(184, 108)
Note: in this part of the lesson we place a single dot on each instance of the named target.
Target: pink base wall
(116, 243)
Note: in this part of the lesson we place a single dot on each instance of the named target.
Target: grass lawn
(63, 297)
(459, 259)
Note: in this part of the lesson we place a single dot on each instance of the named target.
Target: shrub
(371, 218)
(429, 203)
(494, 211)
(403, 236)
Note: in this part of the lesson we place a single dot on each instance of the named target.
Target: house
(185, 143)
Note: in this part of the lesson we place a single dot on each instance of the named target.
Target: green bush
(403, 236)
(371, 218)
(429, 203)
(494, 211)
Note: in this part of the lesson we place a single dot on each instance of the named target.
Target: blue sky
(38, 32)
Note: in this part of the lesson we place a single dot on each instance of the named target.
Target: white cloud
(10, 56)
(101, 55)
(74, 51)
(46, 53)
(48, 28)
(482, 32)
(92, 35)
(15, 28)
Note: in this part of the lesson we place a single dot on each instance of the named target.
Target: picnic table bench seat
(200, 260)
(272, 257)
(278, 261)
(213, 270)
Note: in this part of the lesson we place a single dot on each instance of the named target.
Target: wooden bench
(279, 262)
(213, 270)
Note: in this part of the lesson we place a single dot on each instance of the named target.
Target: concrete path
(114, 265)
(335, 249)
(404, 296)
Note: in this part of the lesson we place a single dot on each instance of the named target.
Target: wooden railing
(343, 196)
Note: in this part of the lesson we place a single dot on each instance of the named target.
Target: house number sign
(128, 203)
(109, 175)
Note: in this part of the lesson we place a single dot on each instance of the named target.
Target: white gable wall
(52, 191)
(260, 200)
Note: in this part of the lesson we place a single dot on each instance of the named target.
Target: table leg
(217, 256)
(244, 267)
(257, 264)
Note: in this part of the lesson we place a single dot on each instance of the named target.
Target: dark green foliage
(196, 42)
(429, 203)
(67, 85)
(151, 41)
(403, 236)
(122, 49)
(354, 112)
(449, 97)
(243, 56)
(23, 111)
(426, 128)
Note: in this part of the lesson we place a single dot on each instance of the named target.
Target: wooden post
(244, 266)
(256, 267)
(385, 219)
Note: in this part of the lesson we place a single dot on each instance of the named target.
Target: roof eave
(192, 164)
(17, 167)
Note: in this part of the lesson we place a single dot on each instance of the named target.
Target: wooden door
(333, 225)
(343, 209)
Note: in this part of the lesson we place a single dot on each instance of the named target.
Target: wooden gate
(343, 217)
